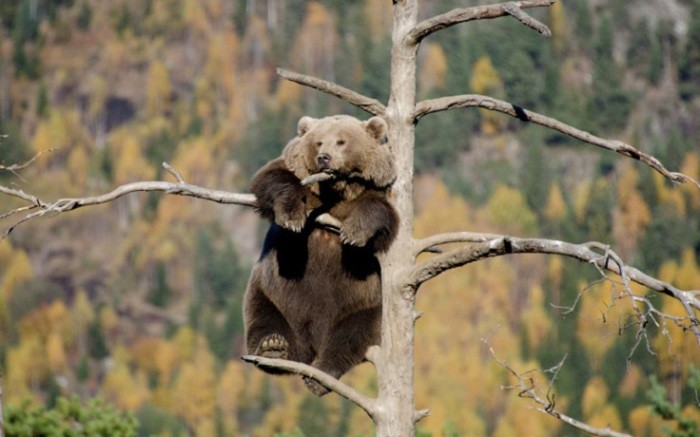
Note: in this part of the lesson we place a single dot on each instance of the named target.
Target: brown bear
(314, 296)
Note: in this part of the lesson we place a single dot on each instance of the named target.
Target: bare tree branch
(504, 245)
(429, 244)
(485, 12)
(366, 403)
(527, 389)
(475, 100)
(368, 104)
(70, 204)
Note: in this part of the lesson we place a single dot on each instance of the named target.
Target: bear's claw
(356, 240)
(274, 346)
(314, 386)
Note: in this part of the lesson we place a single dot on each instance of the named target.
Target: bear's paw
(291, 217)
(354, 233)
(273, 346)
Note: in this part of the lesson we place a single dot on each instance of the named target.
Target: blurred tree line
(138, 302)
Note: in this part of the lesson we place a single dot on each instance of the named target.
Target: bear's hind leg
(267, 332)
(346, 345)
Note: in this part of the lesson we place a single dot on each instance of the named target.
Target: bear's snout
(323, 160)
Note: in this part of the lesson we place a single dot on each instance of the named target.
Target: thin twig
(475, 100)
(420, 415)
(512, 9)
(368, 104)
(174, 172)
(366, 403)
(15, 167)
(527, 389)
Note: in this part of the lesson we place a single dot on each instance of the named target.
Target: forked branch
(476, 100)
(485, 12)
(587, 252)
(366, 403)
(368, 104)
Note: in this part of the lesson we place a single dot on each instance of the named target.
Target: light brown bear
(314, 296)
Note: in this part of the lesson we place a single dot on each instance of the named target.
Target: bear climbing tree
(314, 296)
(393, 410)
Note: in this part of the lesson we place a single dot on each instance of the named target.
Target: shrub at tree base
(69, 417)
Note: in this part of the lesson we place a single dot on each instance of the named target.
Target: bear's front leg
(370, 220)
(280, 196)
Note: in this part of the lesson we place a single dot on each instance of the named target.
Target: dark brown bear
(314, 296)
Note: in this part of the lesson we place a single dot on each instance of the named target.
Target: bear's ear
(380, 166)
(305, 123)
(377, 128)
(294, 155)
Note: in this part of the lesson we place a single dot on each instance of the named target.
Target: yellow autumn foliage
(597, 412)
(157, 89)
(18, 271)
(556, 208)
(644, 423)
(669, 196)
(509, 213)
(433, 68)
(632, 380)
(56, 353)
(631, 214)
(596, 326)
(195, 389)
(24, 370)
(126, 390)
(691, 167)
(229, 390)
(130, 164)
(486, 80)
(378, 18)
(559, 26)
(535, 319)
(82, 315)
(77, 167)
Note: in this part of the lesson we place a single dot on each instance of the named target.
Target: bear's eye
(340, 142)
(319, 143)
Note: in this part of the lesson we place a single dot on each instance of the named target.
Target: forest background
(139, 301)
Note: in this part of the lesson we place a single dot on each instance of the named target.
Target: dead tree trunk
(395, 364)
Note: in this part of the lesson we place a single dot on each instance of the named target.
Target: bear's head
(344, 146)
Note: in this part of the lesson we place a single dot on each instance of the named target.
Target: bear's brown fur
(314, 296)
